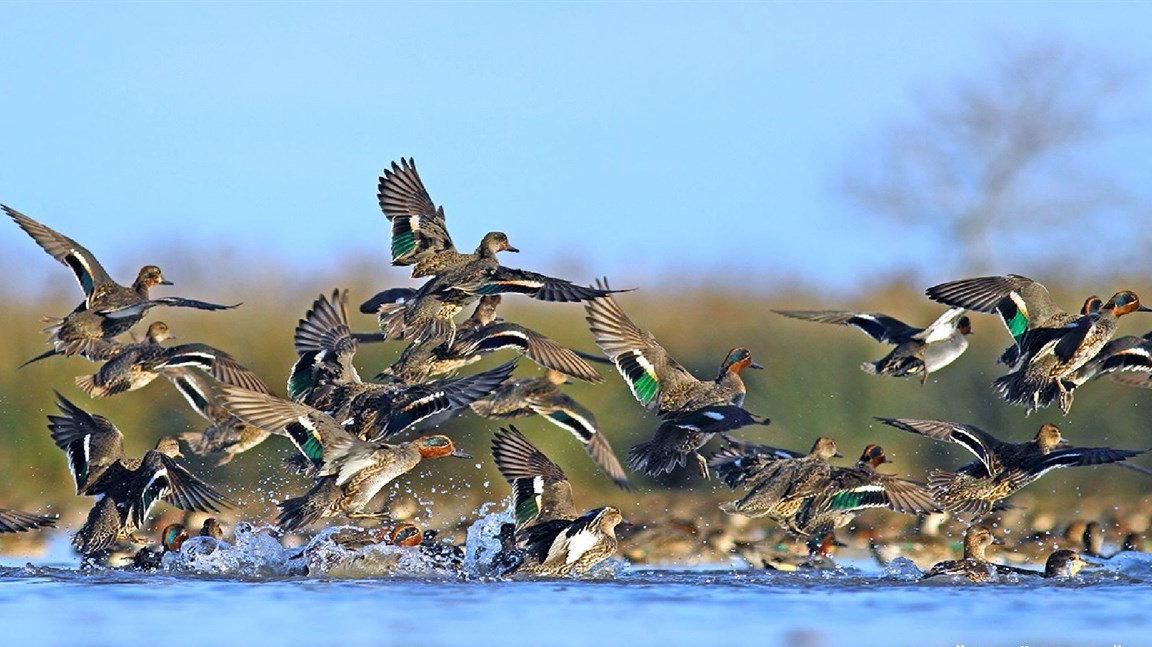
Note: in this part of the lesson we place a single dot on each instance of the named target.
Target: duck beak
(1087, 564)
(166, 282)
(755, 365)
(1143, 309)
(511, 249)
(837, 455)
(996, 541)
(460, 454)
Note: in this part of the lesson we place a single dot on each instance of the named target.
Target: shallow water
(861, 605)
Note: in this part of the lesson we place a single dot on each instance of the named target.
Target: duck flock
(352, 437)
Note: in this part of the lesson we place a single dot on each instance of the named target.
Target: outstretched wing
(171, 482)
(420, 402)
(318, 437)
(16, 521)
(417, 224)
(89, 273)
(878, 326)
(537, 286)
(540, 349)
(92, 443)
(981, 443)
(530, 473)
(137, 309)
(641, 360)
(566, 413)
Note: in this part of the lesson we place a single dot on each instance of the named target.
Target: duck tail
(100, 530)
(654, 458)
(87, 384)
(1020, 388)
(45, 355)
(942, 483)
(304, 510)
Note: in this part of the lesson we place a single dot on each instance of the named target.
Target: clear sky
(643, 141)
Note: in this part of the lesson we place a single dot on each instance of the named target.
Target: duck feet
(702, 465)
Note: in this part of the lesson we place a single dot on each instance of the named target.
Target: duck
(1002, 468)
(349, 471)
(661, 384)
(557, 541)
(109, 309)
(212, 528)
(920, 351)
(135, 366)
(325, 378)
(171, 540)
(227, 435)
(542, 396)
(860, 487)
(744, 463)
(975, 565)
(510, 557)
(1040, 379)
(12, 521)
(1050, 344)
(127, 487)
(1060, 564)
(785, 485)
(481, 334)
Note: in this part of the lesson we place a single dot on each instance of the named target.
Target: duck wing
(16, 521)
(538, 286)
(982, 444)
(160, 477)
(139, 308)
(564, 412)
(540, 349)
(1023, 304)
(538, 485)
(94, 446)
(420, 402)
(645, 365)
(316, 434)
(89, 273)
(878, 326)
(418, 225)
(215, 362)
(742, 462)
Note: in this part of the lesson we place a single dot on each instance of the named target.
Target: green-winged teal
(227, 435)
(109, 308)
(325, 378)
(785, 484)
(556, 540)
(16, 521)
(661, 384)
(1050, 344)
(171, 540)
(918, 351)
(1002, 468)
(127, 487)
(542, 396)
(975, 565)
(481, 334)
(135, 366)
(349, 471)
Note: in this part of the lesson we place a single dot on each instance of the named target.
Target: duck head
(169, 446)
(173, 537)
(1092, 304)
(212, 528)
(405, 534)
(964, 325)
(1048, 438)
(150, 276)
(1063, 563)
(825, 448)
(737, 360)
(873, 455)
(438, 447)
(494, 242)
(608, 518)
(1123, 303)
(158, 331)
(976, 540)
(485, 312)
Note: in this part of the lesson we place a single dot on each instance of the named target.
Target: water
(251, 590)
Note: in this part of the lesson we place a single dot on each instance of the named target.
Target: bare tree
(989, 156)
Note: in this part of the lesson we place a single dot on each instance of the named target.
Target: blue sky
(644, 141)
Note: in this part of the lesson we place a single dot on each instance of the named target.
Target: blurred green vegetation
(812, 386)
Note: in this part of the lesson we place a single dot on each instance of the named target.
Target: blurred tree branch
(992, 155)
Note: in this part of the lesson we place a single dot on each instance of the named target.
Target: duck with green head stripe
(694, 410)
